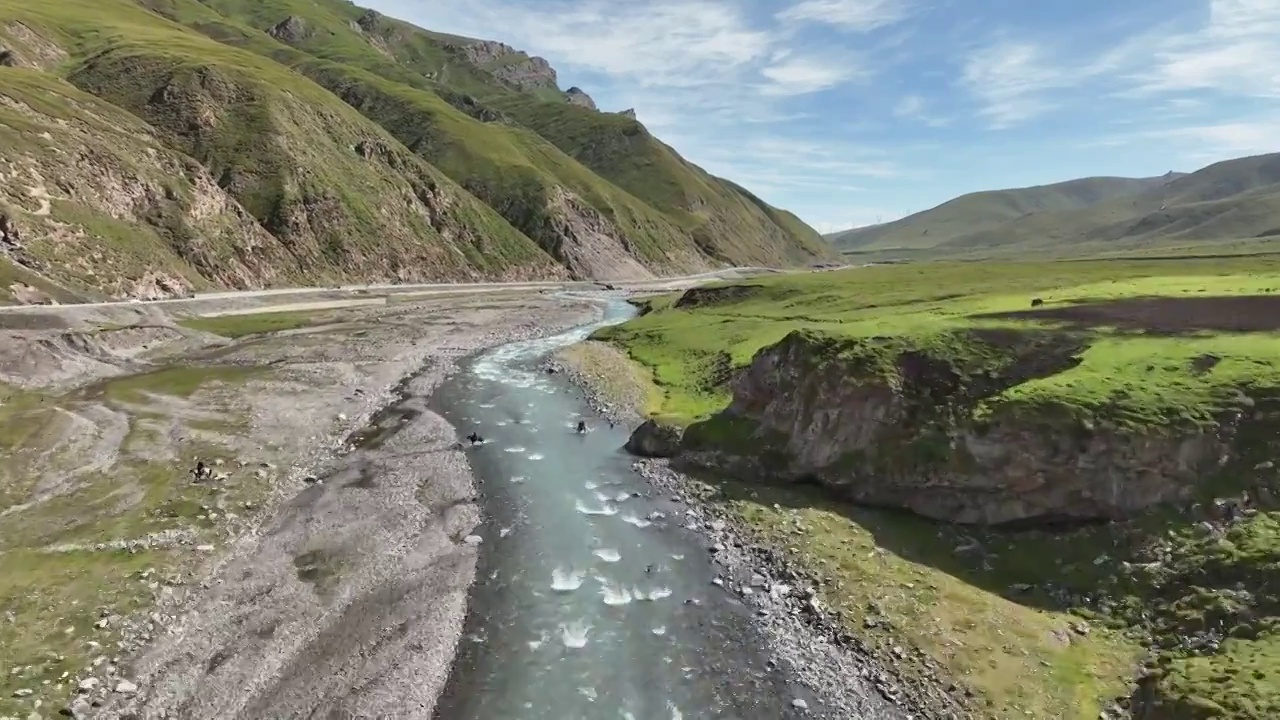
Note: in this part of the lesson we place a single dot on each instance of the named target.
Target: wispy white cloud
(1012, 80)
(665, 43)
(1216, 141)
(852, 218)
(805, 75)
(916, 107)
(854, 15)
(1234, 51)
(1200, 143)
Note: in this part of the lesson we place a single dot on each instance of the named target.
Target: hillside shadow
(1081, 568)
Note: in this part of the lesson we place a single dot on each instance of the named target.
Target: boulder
(655, 440)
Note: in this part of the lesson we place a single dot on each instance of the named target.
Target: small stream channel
(587, 604)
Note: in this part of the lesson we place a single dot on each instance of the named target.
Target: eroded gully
(588, 602)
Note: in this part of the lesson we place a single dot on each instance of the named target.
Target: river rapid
(591, 601)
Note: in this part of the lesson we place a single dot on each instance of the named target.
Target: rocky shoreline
(802, 633)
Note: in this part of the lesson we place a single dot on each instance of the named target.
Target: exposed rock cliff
(653, 439)
(929, 432)
(577, 96)
(514, 67)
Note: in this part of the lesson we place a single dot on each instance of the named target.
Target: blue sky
(852, 111)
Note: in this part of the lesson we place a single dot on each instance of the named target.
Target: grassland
(1036, 623)
(238, 326)
(74, 527)
(688, 351)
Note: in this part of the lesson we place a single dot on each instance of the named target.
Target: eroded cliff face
(907, 429)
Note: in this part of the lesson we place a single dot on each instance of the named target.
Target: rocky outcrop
(883, 426)
(707, 296)
(511, 66)
(20, 46)
(655, 440)
(577, 96)
(292, 29)
(628, 113)
(586, 242)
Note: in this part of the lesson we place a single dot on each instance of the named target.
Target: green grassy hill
(161, 146)
(1230, 207)
(979, 211)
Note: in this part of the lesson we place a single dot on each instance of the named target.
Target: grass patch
(619, 381)
(238, 326)
(178, 380)
(320, 568)
(1036, 623)
(61, 573)
(692, 352)
(56, 600)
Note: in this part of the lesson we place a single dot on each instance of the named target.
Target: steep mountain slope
(981, 211)
(491, 82)
(158, 146)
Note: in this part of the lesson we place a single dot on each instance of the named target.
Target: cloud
(1236, 51)
(1215, 141)
(805, 75)
(1012, 80)
(769, 160)
(915, 107)
(854, 15)
(665, 43)
(1200, 143)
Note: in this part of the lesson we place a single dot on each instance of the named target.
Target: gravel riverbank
(347, 593)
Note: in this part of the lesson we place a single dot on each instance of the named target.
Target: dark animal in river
(1036, 302)
(582, 426)
(475, 438)
(201, 471)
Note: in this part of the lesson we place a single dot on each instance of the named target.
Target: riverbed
(591, 601)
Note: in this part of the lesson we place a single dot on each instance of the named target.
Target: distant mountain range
(1229, 205)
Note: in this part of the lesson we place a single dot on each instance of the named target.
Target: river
(587, 604)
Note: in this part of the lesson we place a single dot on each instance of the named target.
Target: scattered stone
(799, 704)
(473, 540)
(124, 687)
(23, 692)
(89, 684)
(77, 708)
